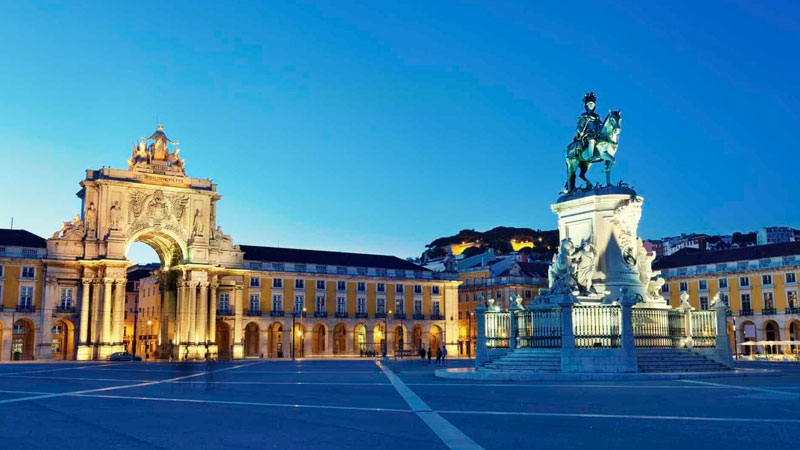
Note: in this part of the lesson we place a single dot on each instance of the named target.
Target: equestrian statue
(594, 142)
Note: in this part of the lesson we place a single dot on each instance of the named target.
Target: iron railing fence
(704, 328)
(597, 326)
(539, 328)
(651, 328)
(498, 327)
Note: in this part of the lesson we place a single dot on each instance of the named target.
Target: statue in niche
(91, 218)
(115, 213)
(197, 223)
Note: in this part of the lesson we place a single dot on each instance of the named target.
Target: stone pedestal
(608, 218)
(84, 353)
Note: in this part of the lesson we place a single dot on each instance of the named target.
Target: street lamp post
(294, 331)
(469, 332)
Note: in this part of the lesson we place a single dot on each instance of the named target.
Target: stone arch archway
(224, 347)
(359, 338)
(435, 338)
(251, 340)
(319, 336)
(275, 342)
(379, 338)
(23, 340)
(155, 202)
(793, 334)
(416, 337)
(63, 346)
(400, 341)
(339, 339)
(772, 332)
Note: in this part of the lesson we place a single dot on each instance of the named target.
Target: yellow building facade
(758, 283)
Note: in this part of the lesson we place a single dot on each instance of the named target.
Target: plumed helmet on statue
(589, 98)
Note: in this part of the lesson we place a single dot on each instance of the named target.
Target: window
(299, 303)
(299, 283)
(398, 288)
(723, 283)
(341, 270)
(665, 287)
(28, 272)
(683, 286)
(766, 280)
(300, 267)
(277, 302)
(319, 306)
(417, 306)
(483, 281)
(499, 294)
(255, 281)
(321, 285)
(725, 299)
(474, 296)
(791, 278)
(66, 297)
(769, 302)
(361, 305)
(361, 286)
(791, 299)
(399, 305)
(19, 328)
(255, 302)
(277, 266)
(26, 296)
(417, 289)
(703, 302)
(434, 290)
(744, 282)
(361, 270)
(381, 287)
(341, 286)
(435, 308)
(321, 268)
(223, 302)
(341, 305)
(466, 283)
(1, 271)
(380, 305)
(528, 293)
(702, 285)
(746, 303)
(277, 283)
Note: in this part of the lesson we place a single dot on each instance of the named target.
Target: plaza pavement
(362, 404)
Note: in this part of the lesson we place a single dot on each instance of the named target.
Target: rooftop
(21, 238)
(694, 257)
(328, 258)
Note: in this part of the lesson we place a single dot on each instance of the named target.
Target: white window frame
(341, 304)
(361, 305)
(25, 300)
(299, 283)
(341, 286)
(299, 303)
(255, 282)
(721, 281)
(277, 283)
(320, 285)
(381, 287)
(793, 276)
(277, 300)
(436, 308)
(319, 304)
(224, 299)
(417, 306)
(32, 276)
(361, 286)
(744, 282)
(380, 305)
(255, 299)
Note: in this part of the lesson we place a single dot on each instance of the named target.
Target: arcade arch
(251, 340)
(22, 340)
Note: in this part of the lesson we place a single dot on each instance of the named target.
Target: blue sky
(378, 127)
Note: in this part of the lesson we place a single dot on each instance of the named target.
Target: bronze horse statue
(581, 154)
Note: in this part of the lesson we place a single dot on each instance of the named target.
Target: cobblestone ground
(366, 404)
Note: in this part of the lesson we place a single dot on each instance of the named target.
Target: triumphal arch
(154, 202)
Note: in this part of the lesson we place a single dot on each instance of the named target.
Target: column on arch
(238, 332)
(212, 313)
(202, 314)
(95, 316)
(180, 312)
(107, 287)
(86, 286)
(192, 311)
(118, 310)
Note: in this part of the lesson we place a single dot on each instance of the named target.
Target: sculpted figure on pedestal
(560, 273)
(594, 142)
(115, 212)
(583, 261)
(197, 223)
(644, 266)
(91, 218)
(72, 229)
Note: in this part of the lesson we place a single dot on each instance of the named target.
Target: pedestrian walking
(444, 355)
(430, 353)
(438, 356)
(421, 356)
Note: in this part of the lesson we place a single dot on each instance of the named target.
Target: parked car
(123, 356)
